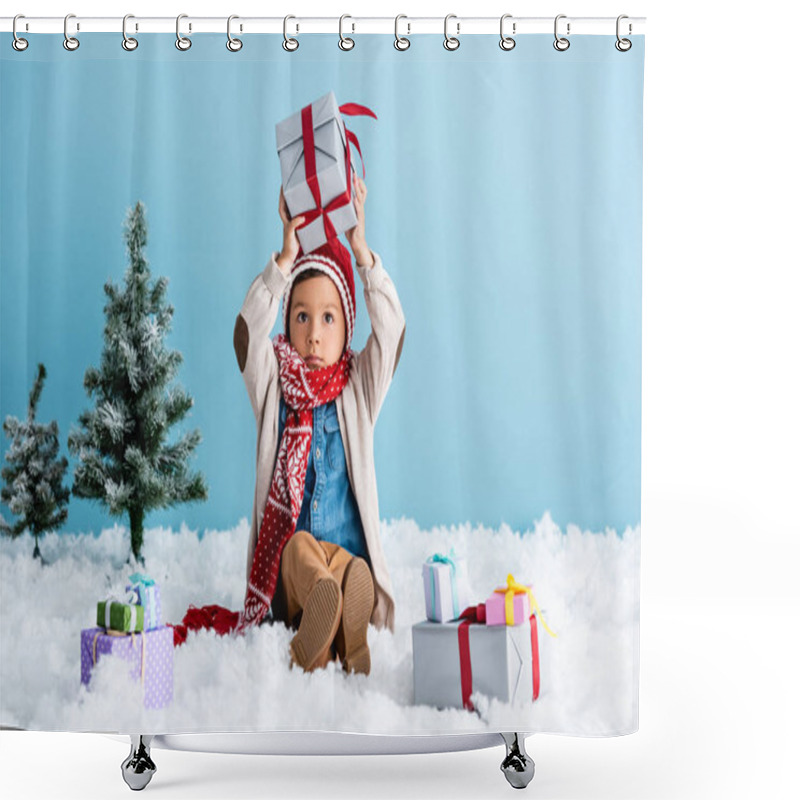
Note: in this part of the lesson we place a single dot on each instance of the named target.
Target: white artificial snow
(587, 585)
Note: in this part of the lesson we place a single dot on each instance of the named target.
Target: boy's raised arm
(377, 362)
(251, 340)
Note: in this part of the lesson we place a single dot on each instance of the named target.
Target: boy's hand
(291, 246)
(356, 235)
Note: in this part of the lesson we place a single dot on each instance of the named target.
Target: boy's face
(316, 322)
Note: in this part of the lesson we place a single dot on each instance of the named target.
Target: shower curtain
(433, 528)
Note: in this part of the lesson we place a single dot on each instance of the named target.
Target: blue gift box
(446, 586)
(149, 594)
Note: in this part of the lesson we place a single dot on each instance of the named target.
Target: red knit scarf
(303, 390)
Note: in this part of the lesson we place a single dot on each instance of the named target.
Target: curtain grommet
(18, 43)
(561, 43)
(233, 44)
(183, 43)
(401, 43)
(451, 43)
(129, 43)
(623, 45)
(345, 42)
(507, 42)
(70, 42)
(289, 44)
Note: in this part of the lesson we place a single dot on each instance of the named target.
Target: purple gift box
(149, 653)
(496, 609)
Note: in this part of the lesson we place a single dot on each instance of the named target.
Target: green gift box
(123, 617)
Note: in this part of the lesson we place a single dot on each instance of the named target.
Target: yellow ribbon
(513, 588)
(117, 633)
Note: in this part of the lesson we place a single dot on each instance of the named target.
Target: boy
(315, 544)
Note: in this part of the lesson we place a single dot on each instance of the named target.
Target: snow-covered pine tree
(124, 458)
(33, 478)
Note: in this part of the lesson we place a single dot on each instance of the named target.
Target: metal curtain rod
(300, 24)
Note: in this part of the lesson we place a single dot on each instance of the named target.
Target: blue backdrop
(505, 201)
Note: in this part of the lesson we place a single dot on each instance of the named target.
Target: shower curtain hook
(345, 42)
(451, 42)
(70, 42)
(561, 43)
(233, 44)
(507, 42)
(128, 42)
(623, 45)
(400, 42)
(181, 42)
(18, 43)
(288, 43)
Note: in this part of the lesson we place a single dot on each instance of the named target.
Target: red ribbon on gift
(477, 614)
(469, 615)
(310, 158)
(535, 655)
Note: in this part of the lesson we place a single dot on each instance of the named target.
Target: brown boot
(357, 601)
(322, 613)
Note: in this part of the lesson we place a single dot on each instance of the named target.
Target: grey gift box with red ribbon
(328, 151)
(496, 660)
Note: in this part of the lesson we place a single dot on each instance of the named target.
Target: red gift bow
(310, 158)
(477, 614)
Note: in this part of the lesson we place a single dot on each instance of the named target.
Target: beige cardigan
(357, 406)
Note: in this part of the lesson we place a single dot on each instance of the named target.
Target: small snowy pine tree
(125, 461)
(33, 489)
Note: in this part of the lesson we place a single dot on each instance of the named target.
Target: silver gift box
(330, 147)
(500, 656)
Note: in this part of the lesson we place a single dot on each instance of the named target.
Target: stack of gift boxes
(491, 647)
(130, 629)
(314, 148)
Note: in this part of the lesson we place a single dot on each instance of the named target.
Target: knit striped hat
(332, 258)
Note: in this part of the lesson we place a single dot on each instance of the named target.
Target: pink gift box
(496, 609)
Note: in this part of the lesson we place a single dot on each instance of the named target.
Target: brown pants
(304, 561)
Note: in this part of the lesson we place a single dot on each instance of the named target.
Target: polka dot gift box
(149, 654)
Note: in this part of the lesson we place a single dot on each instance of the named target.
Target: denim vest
(329, 511)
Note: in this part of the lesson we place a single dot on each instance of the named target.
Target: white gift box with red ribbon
(317, 169)
(454, 659)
